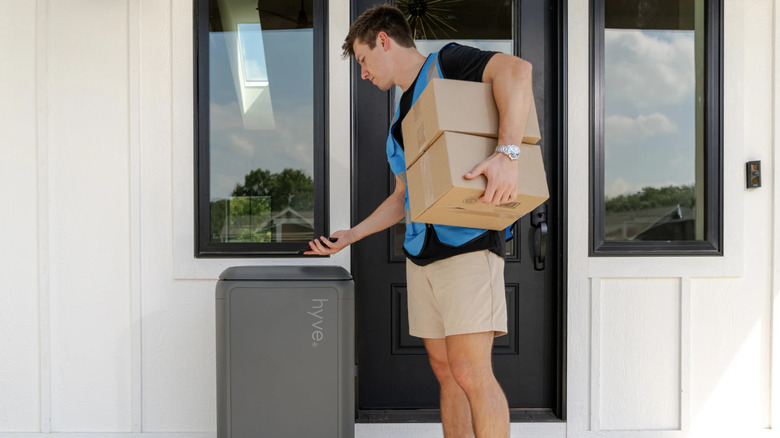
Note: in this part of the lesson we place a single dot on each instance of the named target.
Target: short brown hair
(381, 18)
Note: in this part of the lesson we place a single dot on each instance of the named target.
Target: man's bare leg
(455, 410)
(470, 363)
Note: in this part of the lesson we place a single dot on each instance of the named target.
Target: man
(455, 276)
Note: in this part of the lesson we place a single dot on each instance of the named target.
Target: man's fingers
(473, 173)
(490, 193)
(318, 247)
(496, 195)
(508, 196)
(324, 246)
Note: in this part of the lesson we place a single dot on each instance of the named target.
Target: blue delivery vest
(415, 231)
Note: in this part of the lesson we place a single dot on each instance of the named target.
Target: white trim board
(775, 185)
(433, 430)
(44, 249)
(417, 430)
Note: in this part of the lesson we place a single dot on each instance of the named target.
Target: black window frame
(204, 248)
(712, 244)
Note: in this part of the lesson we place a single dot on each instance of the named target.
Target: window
(656, 162)
(260, 126)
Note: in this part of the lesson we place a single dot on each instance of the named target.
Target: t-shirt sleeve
(464, 62)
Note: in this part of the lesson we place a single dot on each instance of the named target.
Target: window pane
(484, 24)
(654, 120)
(261, 141)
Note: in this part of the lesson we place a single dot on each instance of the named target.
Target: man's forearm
(389, 213)
(386, 215)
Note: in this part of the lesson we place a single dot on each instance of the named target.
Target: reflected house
(290, 225)
(249, 219)
(660, 223)
(244, 218)
(677, 224)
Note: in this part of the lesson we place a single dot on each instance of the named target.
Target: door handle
(539, 221)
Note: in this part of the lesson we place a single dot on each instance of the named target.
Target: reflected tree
(653, 197)
(248, 215)
(288, 188)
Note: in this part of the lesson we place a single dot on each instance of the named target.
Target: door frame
(560, 252)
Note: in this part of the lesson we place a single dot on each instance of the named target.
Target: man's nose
(363, 72)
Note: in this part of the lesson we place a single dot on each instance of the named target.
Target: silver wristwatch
(510, 150)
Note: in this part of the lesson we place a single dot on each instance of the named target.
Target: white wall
(680, 346)
(19, 263)
(107, 320)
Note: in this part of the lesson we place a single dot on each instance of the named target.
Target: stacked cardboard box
(450, 129)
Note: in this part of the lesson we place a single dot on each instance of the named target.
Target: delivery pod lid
(281, 273)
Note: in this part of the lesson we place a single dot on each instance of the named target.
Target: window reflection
(261, 121)
(653, 126)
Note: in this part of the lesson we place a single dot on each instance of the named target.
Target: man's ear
(383, 40)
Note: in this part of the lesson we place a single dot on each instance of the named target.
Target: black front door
(395, 382)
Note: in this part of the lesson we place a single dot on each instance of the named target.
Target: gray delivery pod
(285, 352)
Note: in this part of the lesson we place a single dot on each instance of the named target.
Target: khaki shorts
(458, 295)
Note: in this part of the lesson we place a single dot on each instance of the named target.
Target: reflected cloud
(246, 131)
(619, 186)
(241, 145)
(650, 114)
(649, 68)
(222, 117)
(621, 128)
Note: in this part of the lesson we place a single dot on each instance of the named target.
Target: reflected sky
(650, 96)
(285, 139)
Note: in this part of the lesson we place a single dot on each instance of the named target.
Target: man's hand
(323, 246)
(501, 174)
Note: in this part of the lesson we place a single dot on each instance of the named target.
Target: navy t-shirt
(467, 64)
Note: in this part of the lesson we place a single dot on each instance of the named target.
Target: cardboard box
(457, 106)
(439, 194)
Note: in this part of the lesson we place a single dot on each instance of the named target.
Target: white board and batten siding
(107, 320)
(679, 346)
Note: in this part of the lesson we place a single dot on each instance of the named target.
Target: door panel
(393, 369)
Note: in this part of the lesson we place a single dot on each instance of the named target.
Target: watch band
(510, 150)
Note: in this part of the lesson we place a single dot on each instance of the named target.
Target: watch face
(512, 151)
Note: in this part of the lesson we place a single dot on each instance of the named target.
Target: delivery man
(455, 275)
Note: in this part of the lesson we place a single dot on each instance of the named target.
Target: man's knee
(470, 375)
(437, 356)
(469, 359)
(441, 368)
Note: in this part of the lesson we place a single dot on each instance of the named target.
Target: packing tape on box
(484, 213)
(427, 182)
(420, 135)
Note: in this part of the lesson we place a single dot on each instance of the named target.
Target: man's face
(375, 64)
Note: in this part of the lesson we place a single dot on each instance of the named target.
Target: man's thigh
(473, 349)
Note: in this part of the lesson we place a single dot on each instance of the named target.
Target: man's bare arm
(506, 73)
(389, 212)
